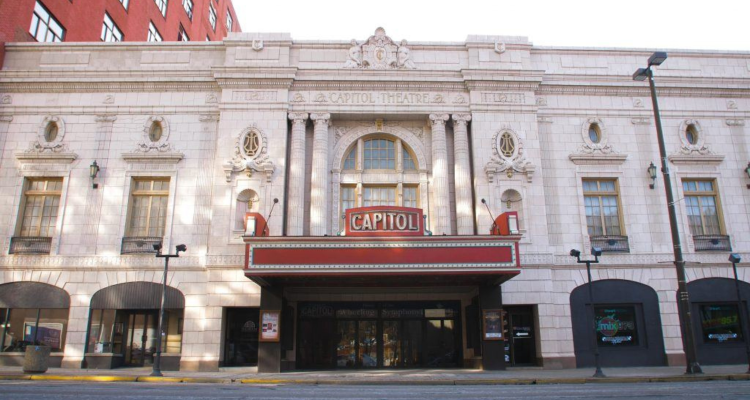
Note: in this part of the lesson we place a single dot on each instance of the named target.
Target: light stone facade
(312, 101)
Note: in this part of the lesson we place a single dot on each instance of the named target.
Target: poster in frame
(492, 324)
(269, 322)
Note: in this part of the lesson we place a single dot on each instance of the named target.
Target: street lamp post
(596, 252)
(734, 259)
(157, 359)
(686, 322)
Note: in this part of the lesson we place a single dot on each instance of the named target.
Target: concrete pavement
(512, 376)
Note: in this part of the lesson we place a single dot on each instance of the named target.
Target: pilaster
(319, 178)
(462, 175)
(296, 200)
(440, 188)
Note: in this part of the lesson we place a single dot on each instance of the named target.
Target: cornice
(115, 87)
(601, 90)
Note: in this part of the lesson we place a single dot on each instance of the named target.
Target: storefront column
(269, 353)
(440, 187)
(493, 351)
(462, 175)
(319, 177)
(297, 175)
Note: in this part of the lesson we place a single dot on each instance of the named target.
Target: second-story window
(148, 213)
(182, 35)
(601, 200)
(110, 31)
(702, 207)
(230, 21)
(41, 207)
(153, 34)
(162, 4)
(188, 6)
(212, 16)
(44, 26)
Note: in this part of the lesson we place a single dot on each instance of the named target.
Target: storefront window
(616, 326)
(720, 323)
(123, 331)
(27, 326)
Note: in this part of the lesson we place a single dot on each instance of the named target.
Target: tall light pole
(686, 321)
(157, 359)
(596, 252)
(734, 259)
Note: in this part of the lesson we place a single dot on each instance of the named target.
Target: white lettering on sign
(512, 98)
(384, 221)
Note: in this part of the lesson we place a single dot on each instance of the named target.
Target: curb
(341, 382)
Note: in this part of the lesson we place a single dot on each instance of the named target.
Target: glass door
(368, 344)
(346, 349)
(141, 338)
(392, 344)
(412, 343)
(440, 343)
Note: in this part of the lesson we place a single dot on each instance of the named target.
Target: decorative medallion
(379, 52)
(155, 136)
(692, 139)
(250, 154)
(50, 135)
(508, 156)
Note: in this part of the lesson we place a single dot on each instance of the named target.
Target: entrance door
(368, 344)
(440, 343)
(522, 341)
(241, 339)
(346, 349)
(141, 338)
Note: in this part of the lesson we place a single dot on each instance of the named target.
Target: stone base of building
(676, 360)
(16, 360)
(199, 365)
(557, 362)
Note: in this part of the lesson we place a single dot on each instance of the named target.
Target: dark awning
(33, 295)
(136, 296)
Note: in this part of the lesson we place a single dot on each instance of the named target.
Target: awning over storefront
(33, 295)
(386, 261)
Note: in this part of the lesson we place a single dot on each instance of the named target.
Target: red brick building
(115, 20)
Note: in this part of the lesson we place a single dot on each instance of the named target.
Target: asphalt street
(86, 391)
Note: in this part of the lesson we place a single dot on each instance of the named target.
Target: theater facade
(372, 203)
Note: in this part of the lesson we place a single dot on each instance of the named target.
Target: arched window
(379, 154)
(408, 161)
(247, 201)
(351, 160)
(595, 133)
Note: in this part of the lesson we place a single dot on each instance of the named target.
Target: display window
(21, 327)
(720, 323)
(616, 326)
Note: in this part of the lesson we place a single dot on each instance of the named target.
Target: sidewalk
(512, 376)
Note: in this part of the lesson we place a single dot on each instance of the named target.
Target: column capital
(461, 119)
(321, 118)
(439, 118)
(298, 118)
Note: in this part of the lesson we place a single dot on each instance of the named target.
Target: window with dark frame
(153, 33)
(230, 21)
(616, 325)
(110, 31)
(125, 3)
(41, 207)
(44, 26)
(148, 213)
(601, 200)
(162, 5)
(182, 35)
(720, 323)
(188, 6)
(212, 16)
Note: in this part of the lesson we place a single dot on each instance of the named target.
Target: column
(319, 177)
(296, 202)
(441, 202)
(462, 175)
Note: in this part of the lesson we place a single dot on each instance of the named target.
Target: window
(720, 323)
(125, 3)
(410, 196)
(602, 207)
(148, 208)
(162, 4)
(188, 6)
(348, 199)
(702, 207)
(153, 34)
(408, 161)
(230, 21)
(42, 202)
(691, 134)
(51, 131)
(595, 133)
(350, 161)
(44, 27)
(616, 326)
(110, 31)
(379, 154)
(20, 327)
(212, 16)
(379, 196)
(208, 39)
(182, 35)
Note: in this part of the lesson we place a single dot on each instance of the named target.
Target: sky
(650, 24)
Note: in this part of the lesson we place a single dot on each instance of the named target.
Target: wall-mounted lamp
(747, 171)
(652, 175)
(93, 172)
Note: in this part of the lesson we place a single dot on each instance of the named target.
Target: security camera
(157, 246)
(575, 253)
(735, 258)
(181, 247)
(596, 251)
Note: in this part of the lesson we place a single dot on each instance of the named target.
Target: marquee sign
(384, 221)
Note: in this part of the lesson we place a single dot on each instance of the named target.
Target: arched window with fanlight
(379, 154)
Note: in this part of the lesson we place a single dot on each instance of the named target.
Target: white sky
(653, 24)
